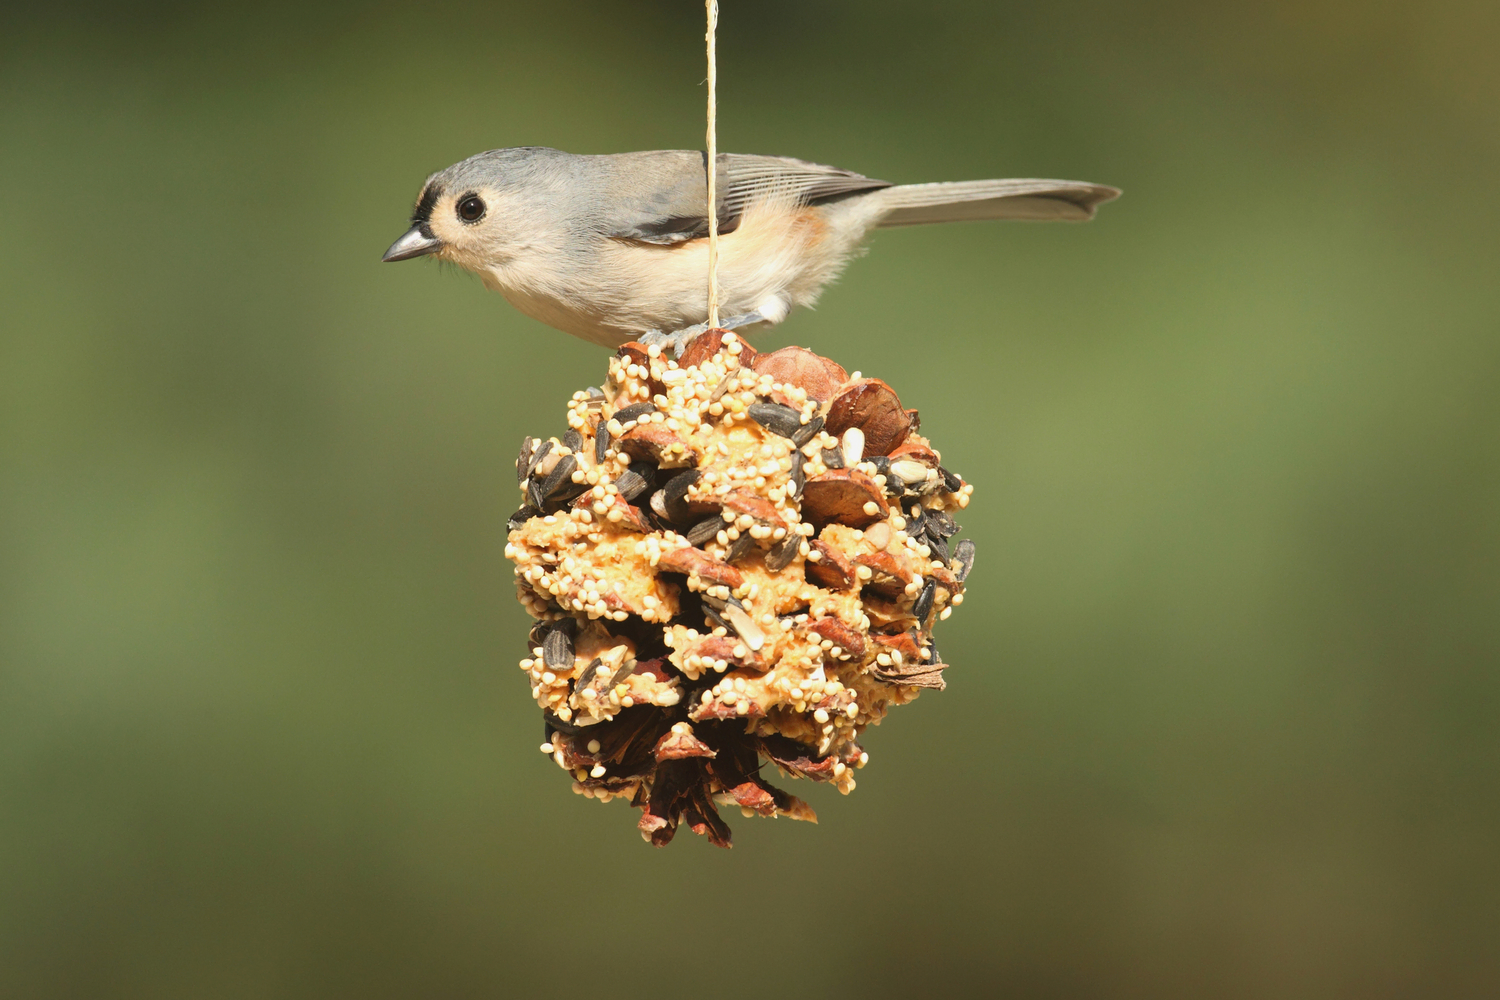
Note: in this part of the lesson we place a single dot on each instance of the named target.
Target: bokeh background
(1222, 720)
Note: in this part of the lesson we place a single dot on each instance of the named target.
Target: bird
(613, 248)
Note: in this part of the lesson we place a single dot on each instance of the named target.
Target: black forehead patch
(423, 212)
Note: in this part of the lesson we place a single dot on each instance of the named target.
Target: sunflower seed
(739, 548)
(938, 545)
(586, 674)
(658, 505)
(523, 460)
(536, 457)
(916, 518)
(951, 482)
(634, 480)
(783, 552)
(572, 440)
(799, 476)
(558, 725)
(674, 494)
(534, 494)
(807, 432)
(626, 669)
(833, 457)
(881, 463)
(940, 522)
(705, 530)
(521, 516)
(560, 478)
(601, 444)
(633, 411)
(541, 630)
(776, 418)
(922, 607)
(714, 618)
(963, 559)
(557, 650)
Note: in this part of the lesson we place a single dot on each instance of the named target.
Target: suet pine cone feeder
(733, 558)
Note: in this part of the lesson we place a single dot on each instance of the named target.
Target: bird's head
(477, 213)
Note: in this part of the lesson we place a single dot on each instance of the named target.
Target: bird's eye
(471, 208)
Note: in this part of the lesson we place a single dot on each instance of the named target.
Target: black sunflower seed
(882, 466)
(523, 460)
(714, 618)
(557, 725)
(601, 444)
(807, 432)
(534, 496)
(783, 552)
(720, 603)
(922, 607)
(658, 505)
(941, 523)
(586, 674)
(557, 650)
(630, 484)
(626, 669)
(963, 559)
(674, 496)
(521, 516)
(776, 418)
(541, 630)
(705, 530)
(541, 452)
(633, 411)
(937, 545)
(740, 548)
(679, 484)
(799, 476)
(573, 441)
(833, 457)
(560, 477)
(951, 482)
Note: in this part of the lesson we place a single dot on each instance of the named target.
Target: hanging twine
(712, 7)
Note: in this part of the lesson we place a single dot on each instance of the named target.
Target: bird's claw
(678, 340)
(675, 342)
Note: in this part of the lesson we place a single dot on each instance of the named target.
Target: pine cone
(732, 557)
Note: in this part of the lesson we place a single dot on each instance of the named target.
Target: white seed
(909, 471)
(853, 446)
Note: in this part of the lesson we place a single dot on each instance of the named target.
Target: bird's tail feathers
(1020, 198)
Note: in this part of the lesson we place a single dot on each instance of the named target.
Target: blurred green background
(1226, 682)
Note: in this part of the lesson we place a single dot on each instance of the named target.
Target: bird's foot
(679, 340)
(674, 342)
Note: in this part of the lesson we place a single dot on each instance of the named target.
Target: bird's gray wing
(662, 197)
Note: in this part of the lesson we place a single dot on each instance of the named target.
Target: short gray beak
(415, 243)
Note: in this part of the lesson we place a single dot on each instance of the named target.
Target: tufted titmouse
(615, 248)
